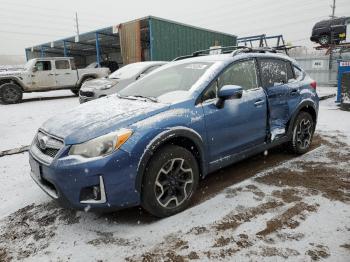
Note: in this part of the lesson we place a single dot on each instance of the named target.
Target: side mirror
(228, 92)
(35, 68)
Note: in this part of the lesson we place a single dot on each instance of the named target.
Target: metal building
(144, 39)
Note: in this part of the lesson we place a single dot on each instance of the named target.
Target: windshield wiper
(150, 98)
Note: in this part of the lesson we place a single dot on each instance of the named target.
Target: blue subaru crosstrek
(150, 144)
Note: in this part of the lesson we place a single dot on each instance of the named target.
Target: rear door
(44, 76)
(65, 76)
(277, 77)
(241, 123)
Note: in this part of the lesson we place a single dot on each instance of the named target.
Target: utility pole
(331, 46)
(333, 10)
(76, 27)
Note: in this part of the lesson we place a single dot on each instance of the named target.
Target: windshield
(92, 65)
(127, 71)
(29, 64)
(180, 77)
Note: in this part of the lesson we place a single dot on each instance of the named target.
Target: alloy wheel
(323, 40)
(304, 133)
(10, 94)
(174, 183)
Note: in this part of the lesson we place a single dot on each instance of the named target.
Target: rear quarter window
(299, 75)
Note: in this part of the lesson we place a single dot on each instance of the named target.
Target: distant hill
(12, 59)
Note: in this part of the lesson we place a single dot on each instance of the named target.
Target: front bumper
(65, 179)
(84, 99)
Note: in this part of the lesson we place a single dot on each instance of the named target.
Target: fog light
(93, 194)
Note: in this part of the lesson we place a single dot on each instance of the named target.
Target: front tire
(169, 182)
(11, 93)
(303, 131)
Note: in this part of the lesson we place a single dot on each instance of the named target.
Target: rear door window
(275, 72)
(62, 64)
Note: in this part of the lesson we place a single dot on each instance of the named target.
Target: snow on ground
(19, 122)
(326, 90)
(282, 208)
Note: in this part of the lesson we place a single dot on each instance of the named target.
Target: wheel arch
(306, 106)
(84, 77)
(12, 80)
(181, 136)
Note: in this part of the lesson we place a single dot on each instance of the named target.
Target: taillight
(313, 84)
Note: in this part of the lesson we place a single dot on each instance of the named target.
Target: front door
(43, 76)
(241, 123)
(65, 76)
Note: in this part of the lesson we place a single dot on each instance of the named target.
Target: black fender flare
(162, 139)
(305, 104)
(13, 80)
(83, 77)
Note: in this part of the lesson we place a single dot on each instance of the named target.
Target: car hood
(11, 73)
(100, 117)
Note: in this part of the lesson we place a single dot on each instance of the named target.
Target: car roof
(149, 63)
(52, 58)
(230, 57)
(340, 19)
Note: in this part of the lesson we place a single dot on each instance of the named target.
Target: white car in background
(118, 80)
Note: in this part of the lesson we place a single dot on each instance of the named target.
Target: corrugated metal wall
(169, 40)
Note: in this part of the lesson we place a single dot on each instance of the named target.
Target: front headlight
(106, 87)
(102, 145)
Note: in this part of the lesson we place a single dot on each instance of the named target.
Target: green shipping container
(143, 39)
(169, 39)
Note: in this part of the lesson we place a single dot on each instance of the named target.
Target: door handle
(259, 102)
(294, 92)
(67, 73)
(51, 74)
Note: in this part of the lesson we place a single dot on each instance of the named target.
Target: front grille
(86, 93)
(45, 147)
(52, 152)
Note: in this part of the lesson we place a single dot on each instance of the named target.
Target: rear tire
(169, 181)
(323, 40)
(303, 131)
(11, 93)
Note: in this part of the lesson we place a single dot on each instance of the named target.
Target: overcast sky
(26, 23)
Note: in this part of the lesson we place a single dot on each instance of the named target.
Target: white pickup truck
(45, 74)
